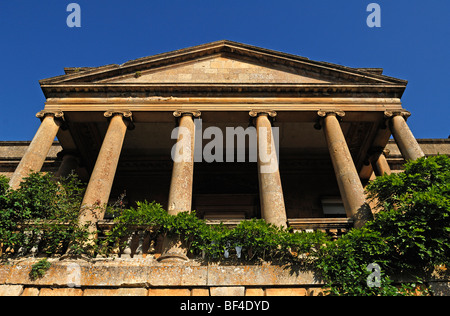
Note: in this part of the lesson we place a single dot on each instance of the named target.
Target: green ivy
(410, 234)
(39, 269)
(43, 210)
(258, 239)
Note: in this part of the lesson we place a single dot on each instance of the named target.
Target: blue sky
(413, 43)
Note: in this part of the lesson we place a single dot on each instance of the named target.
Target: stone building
(115, 124)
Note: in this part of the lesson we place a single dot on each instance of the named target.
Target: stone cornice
(219, 89)
(229, 48)
(92, 81)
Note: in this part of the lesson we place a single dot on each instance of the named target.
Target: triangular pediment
(221, 63)
(222, 70)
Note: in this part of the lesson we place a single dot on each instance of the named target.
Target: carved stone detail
(324, 113)
(126, 115)
(270, 113)
(337, 113)
(56, 114)
(390, 114)
(193, 113)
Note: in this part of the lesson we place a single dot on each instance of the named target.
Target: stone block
(11, 290)
(61, 292)
(5, 270)
(200, 292)
(264, 275)
(116, 292)
(227, 291)
(286, 292)
(169, 292)
(254, 292)
(30, 291)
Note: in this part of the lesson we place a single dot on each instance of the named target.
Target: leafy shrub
(39, 269)
(44, 211)
(258, 239)
(409, 235)
(415, 213)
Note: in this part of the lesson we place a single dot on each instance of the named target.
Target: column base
(173, 250)
(173, 257)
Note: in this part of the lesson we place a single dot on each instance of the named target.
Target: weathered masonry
(114, 125)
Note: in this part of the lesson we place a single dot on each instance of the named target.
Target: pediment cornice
(331, 78)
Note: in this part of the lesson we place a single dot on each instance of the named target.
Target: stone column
(180, 195)
(99, 188)
(68, 165)
(406, 142)
(350, 186)
(34, 157)
(381, 166)
(273, 209)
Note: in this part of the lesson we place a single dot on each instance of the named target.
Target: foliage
(258, 239)
(409, 235)
(415, 213)
(44, 211)
(39, 269)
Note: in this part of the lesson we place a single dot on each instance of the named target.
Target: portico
(333, 123)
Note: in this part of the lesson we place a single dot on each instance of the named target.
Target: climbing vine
(410, 234)
(42, 211)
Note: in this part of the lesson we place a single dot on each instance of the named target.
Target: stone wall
(12, 152)
(147, 277)
(430, 147)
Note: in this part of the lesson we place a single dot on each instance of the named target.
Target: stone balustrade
(143, 241)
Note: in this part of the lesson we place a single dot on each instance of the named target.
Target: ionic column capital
(390, 114)
(256, 113)
(56, 114)
(126, 115)
(324, 113)
(193, 113)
